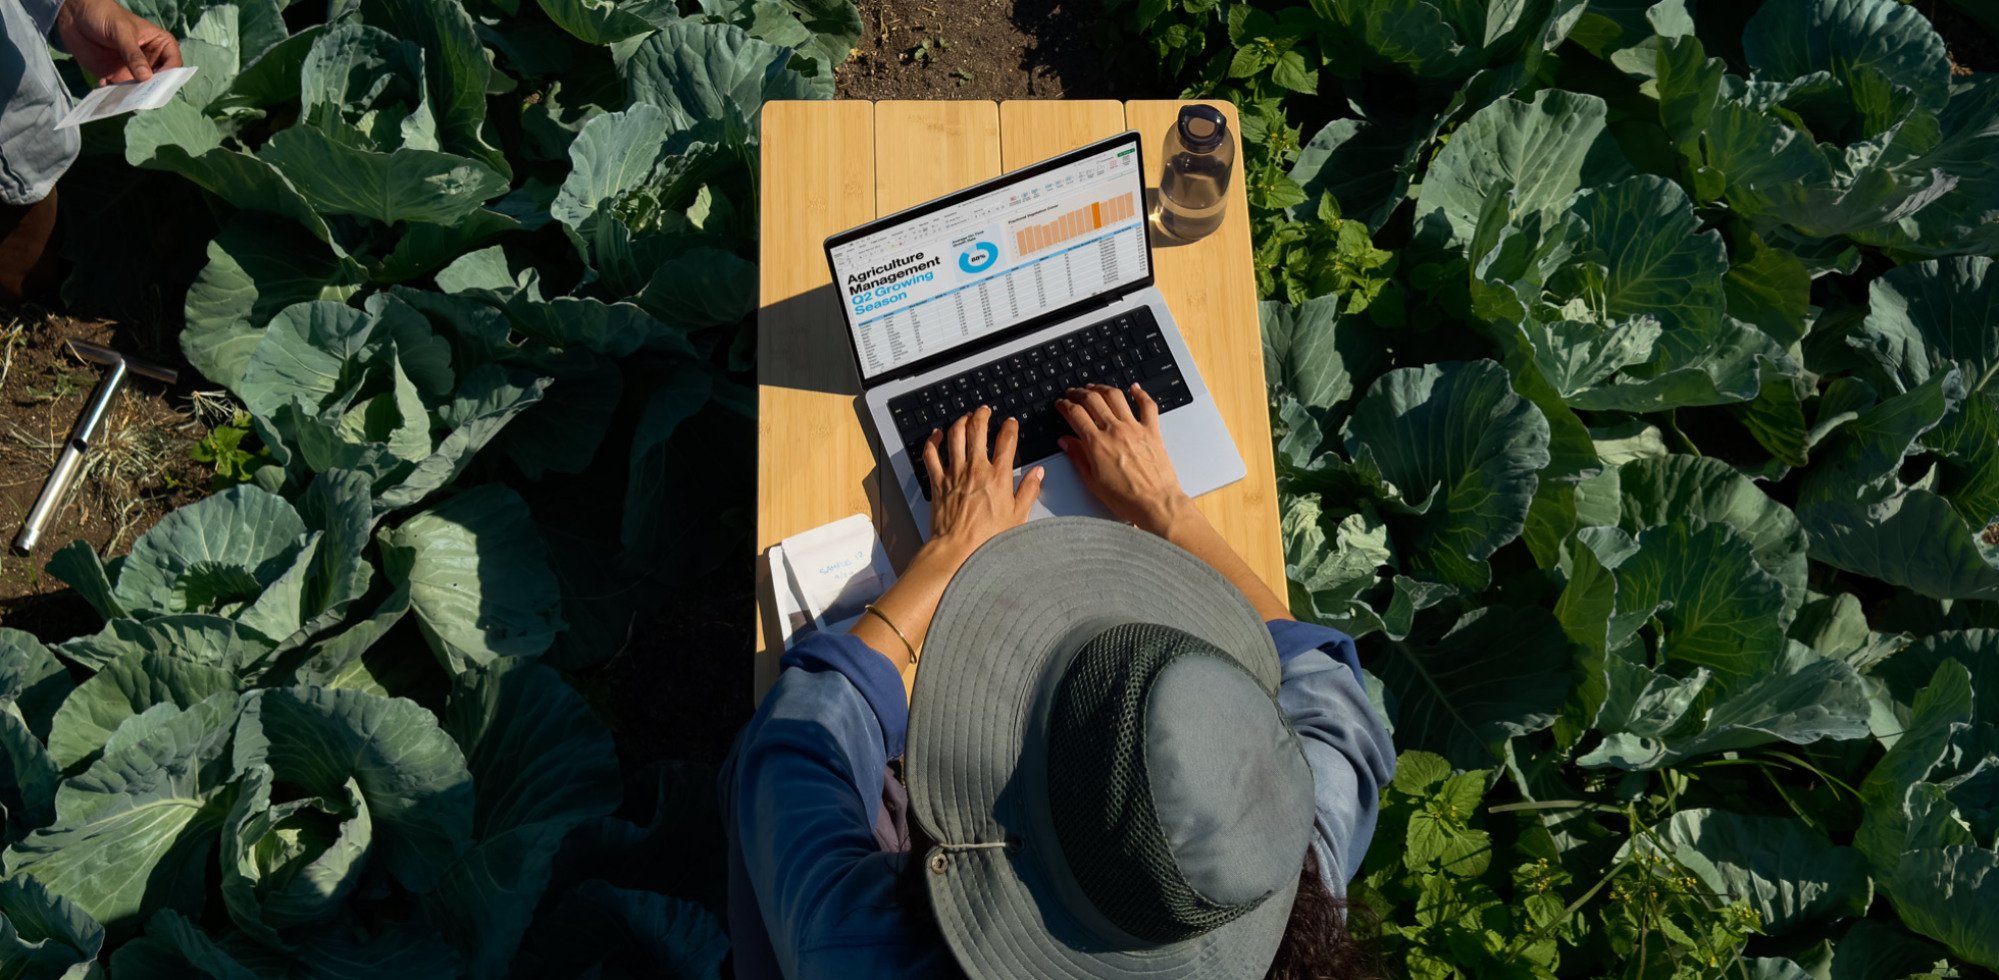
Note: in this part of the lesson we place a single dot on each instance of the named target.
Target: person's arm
(799, 799)
(111, 43)
(1187, 527)
(1348, 747)
(973, 498)
(1122, 458)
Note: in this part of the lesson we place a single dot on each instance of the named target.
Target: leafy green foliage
(1631, 369)
(1787, 873)
(1631, 390)
(1300, 260)
(44, 934)
(441, 242)
(1498, 673)
(222, 448)
(1488, 895)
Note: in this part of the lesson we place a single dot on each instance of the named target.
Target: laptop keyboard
(1119, 351)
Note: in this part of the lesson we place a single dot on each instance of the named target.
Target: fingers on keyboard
(1127, 349)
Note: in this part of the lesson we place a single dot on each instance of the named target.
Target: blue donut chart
(979, 258)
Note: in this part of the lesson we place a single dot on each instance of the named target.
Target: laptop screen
(1017, 248)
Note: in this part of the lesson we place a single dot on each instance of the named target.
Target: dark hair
(1316, 944)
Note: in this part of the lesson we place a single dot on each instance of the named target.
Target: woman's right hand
(1118, 451)
(973, 496)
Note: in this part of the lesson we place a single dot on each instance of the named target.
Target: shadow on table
(893, 523)
(886, 506)
(764, 670)
(802, 343)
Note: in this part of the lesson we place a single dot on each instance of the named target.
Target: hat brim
(1026, 600)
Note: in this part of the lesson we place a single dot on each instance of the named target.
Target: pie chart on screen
(979, 257)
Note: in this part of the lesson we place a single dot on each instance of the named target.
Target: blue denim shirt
(813, 882)
(32, 152)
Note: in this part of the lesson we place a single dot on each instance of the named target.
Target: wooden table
(828, 166)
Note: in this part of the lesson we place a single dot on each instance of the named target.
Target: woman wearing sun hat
(1121, 757)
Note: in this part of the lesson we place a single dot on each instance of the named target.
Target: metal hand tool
(81, 435)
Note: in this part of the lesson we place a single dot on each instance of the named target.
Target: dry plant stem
(41, 444)
(212, 408)
(134, 458)
(33, 444)
(14, 336)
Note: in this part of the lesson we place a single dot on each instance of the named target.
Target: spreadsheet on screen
(1019, 250)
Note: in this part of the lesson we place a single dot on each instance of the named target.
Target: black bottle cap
(1202, 128)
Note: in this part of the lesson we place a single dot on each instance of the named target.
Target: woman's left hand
(972, 496)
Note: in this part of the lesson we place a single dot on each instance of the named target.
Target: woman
(1122, 755)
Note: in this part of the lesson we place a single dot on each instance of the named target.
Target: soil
(140, 469)
(1970, 47)
(937, 49)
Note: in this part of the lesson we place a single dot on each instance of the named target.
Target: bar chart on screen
(1072, 223)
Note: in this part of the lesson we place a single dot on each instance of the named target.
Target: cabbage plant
(1665, 449)
(469, 269)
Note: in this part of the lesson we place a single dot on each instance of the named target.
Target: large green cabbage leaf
(478, 578)
(1929, 830)
(45, 935)
(1457, 452)
(1449, 39)
(136, 831)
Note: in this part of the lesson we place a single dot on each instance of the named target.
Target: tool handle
(53, 492)
(80, 437)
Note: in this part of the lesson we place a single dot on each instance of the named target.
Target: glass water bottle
(1194, 181)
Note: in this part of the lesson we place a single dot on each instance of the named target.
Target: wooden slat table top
(828, 166)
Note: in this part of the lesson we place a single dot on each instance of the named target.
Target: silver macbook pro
(1008, 293)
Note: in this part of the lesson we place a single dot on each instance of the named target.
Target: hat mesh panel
(1100, 799)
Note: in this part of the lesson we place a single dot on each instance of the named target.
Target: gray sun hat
(1095, 744)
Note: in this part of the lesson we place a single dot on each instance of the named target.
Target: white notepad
(823, 577)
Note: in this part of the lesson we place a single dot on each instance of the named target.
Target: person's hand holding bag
(115, 44)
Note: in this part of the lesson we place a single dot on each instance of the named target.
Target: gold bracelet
(906, 645)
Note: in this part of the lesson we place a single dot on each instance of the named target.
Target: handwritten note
(824, 577)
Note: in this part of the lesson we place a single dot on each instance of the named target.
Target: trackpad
(1197, 442)
(1063, 493)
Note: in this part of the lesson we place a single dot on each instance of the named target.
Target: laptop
(1008, 293)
